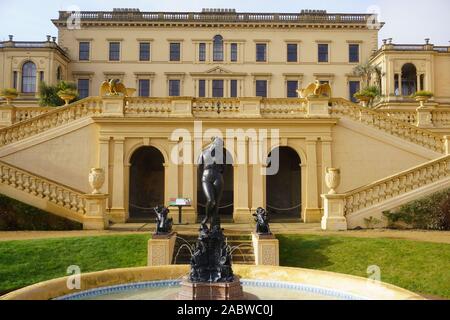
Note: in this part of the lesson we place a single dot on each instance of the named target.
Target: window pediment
(217, 71)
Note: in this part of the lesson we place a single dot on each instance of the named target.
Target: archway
(146, 182)
(29, 77)
(283, 188)
(227, 204)
(409, 79)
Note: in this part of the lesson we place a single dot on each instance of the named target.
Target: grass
(417, 266)
(422, 267)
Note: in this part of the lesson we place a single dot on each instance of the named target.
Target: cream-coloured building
(199, 74)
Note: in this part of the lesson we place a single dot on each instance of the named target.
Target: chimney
(48, 38)
(11, 37)
(427, 40)
(54, 39)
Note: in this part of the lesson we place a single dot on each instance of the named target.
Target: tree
(366, 71)
(48, 94)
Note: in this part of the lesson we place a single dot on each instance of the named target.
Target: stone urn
(9, 97)
(66, 97)
(422, 100)
(96, 179)
(332, 179)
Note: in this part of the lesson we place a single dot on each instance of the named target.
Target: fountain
(211, 276)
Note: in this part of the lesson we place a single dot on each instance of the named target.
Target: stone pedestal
(266, 248)
(95, 217)
(312, 215)
(211, 291)
(181, 107)
(160, 249)
(333, 218)
(318, 107)
(113, 106)
(250, 107)
(447, 145)
(424, 117)
(7, 115)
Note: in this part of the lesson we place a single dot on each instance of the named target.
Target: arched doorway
(227, 204)
(146, 183)
(409, 79)
(283, 188)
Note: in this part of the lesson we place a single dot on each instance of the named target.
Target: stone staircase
(241, 246)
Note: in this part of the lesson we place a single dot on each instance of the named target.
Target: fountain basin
(266, 282)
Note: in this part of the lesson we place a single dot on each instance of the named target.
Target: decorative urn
(96, 179)
(332, 179)
(66, 97)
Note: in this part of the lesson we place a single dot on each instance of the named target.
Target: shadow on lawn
(303, 252)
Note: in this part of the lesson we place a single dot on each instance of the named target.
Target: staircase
(42, 193)
(396, 190)
(241, 249)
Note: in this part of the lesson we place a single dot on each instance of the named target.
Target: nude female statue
(212, 159)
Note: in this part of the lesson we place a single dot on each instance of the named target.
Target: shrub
(15, 215)
(9, 92)
(423, 93)
(48, 94)
(370, 92)
(429, 213)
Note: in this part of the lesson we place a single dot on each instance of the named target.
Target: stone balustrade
(148, 107)
(43, 188)
(424, 117)
(396, 185)
(380, 121)
(284, 107)
(87, 107)
(26, 113)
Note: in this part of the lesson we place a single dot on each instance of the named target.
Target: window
(144, 88)
(114, 51)
(175, 53)
(15, 79)
(233, 88)
(41, 76)
(261, 88)
(217, 88)
(354, 87)
(323, 52)
(261, 52)
(144, 51)
(174, 88)
(83, 88)
(353, 52)
(218, 48)
(234, 52)
(202, 51)
(84, 51)
(292, 87)
(292, 52)
(201, 88)
(29, 77)
(59, 74)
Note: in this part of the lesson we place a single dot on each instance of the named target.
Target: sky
(407, 21)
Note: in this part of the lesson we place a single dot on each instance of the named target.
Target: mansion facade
(186, 66)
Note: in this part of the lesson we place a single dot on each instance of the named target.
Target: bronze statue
(262, 222)
(211, 260)
(212, 181)
(163, 223)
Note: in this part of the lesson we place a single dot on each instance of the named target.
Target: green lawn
(421, 267)
(418, 266)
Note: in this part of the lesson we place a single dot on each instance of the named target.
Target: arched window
(29, 77)
(218, 48)
(409, 79)
(59, 73)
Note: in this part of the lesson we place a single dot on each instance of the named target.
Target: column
(171, 180)
(103, 161)
(241, 208)
(258, 187)
(418, 83)
(117, 211)
(312, 211)
(400, 84)
(326, 161)
(189, 213)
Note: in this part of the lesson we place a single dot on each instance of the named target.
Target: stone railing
(408, 116)
(396, 185)
(148, 107)
(26, 113)
(284, 107)
(224, 17)
(205, 106)
(422, 137)
(440, 117)
(429, 117)
(52, 119)
(42, 188)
